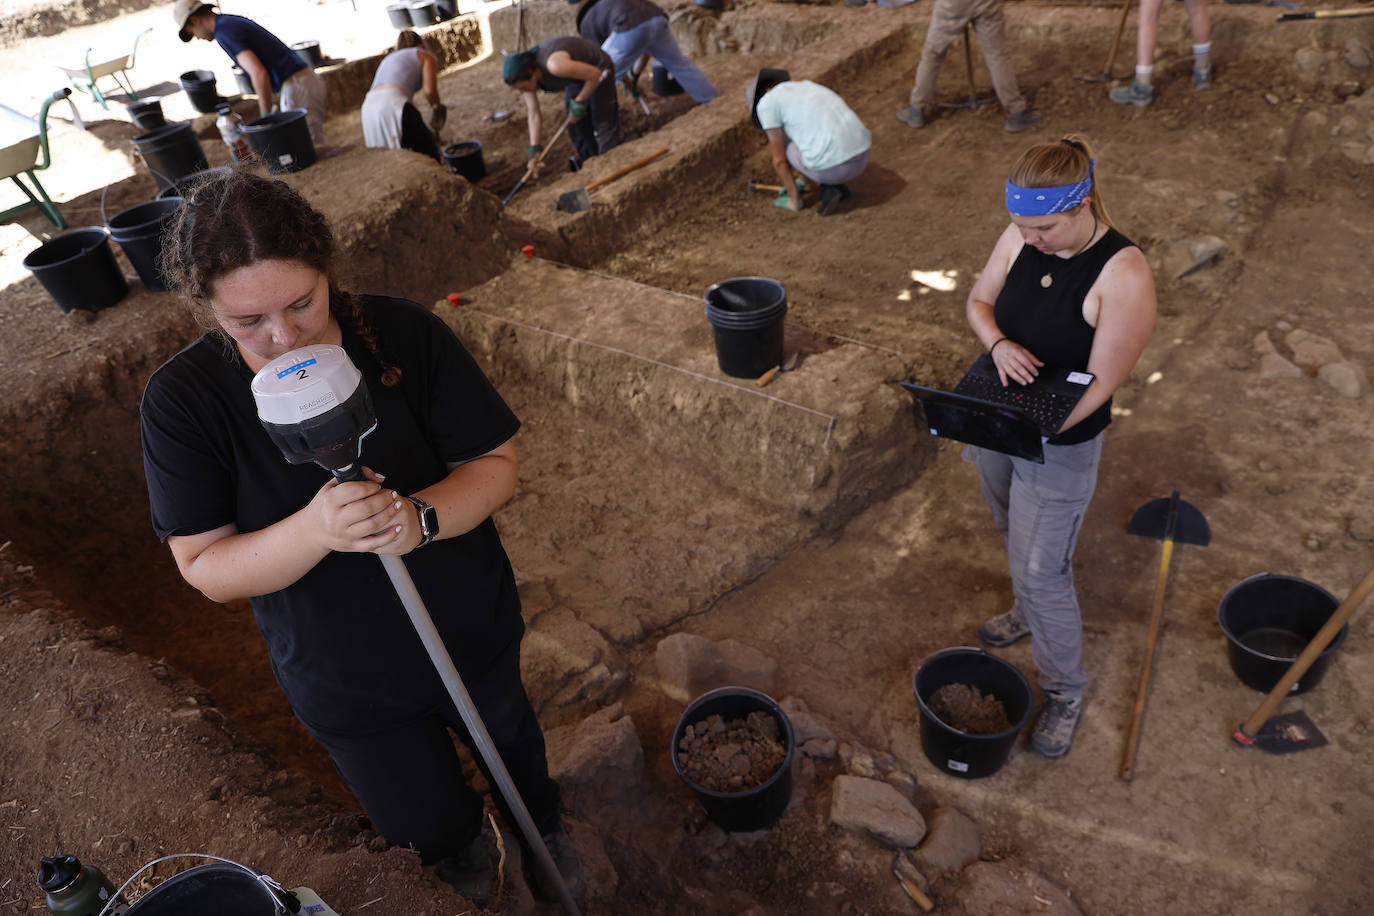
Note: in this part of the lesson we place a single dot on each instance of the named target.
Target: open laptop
(1015, 419)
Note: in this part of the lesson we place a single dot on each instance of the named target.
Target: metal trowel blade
(1289, 733)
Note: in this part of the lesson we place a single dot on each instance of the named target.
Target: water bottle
(231, 129)
(74, 889)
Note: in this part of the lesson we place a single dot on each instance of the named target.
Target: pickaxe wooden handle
(629, 168)
(535, 162)
(760, 186)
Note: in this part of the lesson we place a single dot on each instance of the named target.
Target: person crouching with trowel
(582, 72)
(811, 130)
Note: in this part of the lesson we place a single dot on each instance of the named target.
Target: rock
(1346, 88)
(1007, 888)
(689, 665)
(819, 748)
(806, 724)
(598, 762)
(875, 808)
(1357, 55)
(1186, 256)
(1262, 344)
(951, 843)
(1311, 350)
(1309, 60)
(1274, 366)
(1361, 528)
(1348, 379)
(903, 782)
(564, 662)
(857, 761)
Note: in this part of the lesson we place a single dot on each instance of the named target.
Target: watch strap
(429, 520)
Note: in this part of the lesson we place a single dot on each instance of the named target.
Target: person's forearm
(262, 85)
(472, 491)
(980, 318)
(254, 563)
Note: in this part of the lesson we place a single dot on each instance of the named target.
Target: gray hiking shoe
(470, 872)
(1053, 735)
(1021, 120)
(911, 117)
(1132, 94)
(1202, 80)
(1003, 630)
(565, 858)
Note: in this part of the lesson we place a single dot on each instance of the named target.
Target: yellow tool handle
(629, 168)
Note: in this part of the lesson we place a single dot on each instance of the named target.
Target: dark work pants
(409, 778)
(602, 134)
(415, 133)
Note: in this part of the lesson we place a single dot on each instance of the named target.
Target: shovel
(1295, 731)
(1111, 56)
(973, 100)
(579, 200)
(535, 162)
(1171, 520)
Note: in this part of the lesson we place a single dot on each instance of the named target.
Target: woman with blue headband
(1064, 288)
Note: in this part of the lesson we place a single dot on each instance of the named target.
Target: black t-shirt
(599, 19)
(1048, 320)
(342, 646)
(579, 49)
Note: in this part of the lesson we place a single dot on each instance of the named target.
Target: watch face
(429, 521)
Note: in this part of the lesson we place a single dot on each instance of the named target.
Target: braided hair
(235, 219)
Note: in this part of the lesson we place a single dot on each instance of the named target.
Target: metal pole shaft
(438, 654)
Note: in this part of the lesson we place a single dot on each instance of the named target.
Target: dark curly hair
(235, 219)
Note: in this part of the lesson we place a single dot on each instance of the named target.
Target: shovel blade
(1290, 733)
(1152, 521)
(574, 201)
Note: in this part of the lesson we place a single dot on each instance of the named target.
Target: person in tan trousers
(947, 22)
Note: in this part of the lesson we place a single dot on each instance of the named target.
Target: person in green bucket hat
(581, 71)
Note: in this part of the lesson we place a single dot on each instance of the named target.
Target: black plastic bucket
(954, 750)
(79, 270)
(282, 140)
(423, 13)
(399, 14)
(171, 152)
(664, 84)
(200, 88)
(1268, 620)
(147, 114)
(466, 159)
(187, 183)
(138, 230)
(309, 52)
(446, 9)
(217, 889)
(750, 809)
(746, 315)
(244, 81)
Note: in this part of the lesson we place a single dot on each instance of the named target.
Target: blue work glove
(534, 149)
(784, 202)
(578, 110)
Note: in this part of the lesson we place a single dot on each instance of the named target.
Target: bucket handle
(280, 896)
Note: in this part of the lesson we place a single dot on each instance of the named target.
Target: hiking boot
(1003, 630)
(911, 117)
(1021, 120)
(470, 872)
(831, 195)
(565, 858)
(1202, 79)
(1132, 94)
(1053, 735)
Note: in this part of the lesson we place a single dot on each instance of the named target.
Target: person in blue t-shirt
(274, 68)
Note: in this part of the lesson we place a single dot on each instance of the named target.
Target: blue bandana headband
(1044, 201)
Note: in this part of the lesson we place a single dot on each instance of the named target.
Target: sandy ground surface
(184, 744)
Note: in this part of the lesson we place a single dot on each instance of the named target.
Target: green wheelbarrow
(21, 140)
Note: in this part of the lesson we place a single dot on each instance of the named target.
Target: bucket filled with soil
(1268, 620)
(973, 705)
(733, 746)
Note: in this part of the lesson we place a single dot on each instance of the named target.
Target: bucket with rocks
(973, 705)
(734, 746)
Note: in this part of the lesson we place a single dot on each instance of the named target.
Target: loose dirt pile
(968, 709)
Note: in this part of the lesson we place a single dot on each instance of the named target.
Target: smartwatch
(429, 520)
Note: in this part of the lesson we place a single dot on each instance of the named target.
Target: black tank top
(1048, 320)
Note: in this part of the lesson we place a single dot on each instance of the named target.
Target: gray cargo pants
(947, 22)
(1039, 509)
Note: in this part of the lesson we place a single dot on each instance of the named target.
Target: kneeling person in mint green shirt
(810, 131)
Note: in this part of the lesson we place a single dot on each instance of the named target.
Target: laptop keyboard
(1047, 408)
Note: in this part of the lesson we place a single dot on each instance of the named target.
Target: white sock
(1202, 57)
(1143, 75)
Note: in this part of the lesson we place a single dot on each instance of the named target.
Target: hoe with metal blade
(315, 407)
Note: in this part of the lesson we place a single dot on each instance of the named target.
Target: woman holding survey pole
(253, 261)
(1061, 288)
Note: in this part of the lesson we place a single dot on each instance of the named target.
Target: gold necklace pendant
(1046, 280)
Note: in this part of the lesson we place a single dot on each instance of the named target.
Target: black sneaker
(831, 195)
(470, 872)
(565, 858)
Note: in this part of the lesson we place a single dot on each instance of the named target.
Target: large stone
(1188, 255)
(689, 665)
(565, 663)
(877, 809)
(1274, 366)
(1357, 54)
(1263, 344)
(1348, 379)
(1312, 350)
(1007, 888)
(951, 843)
(806, 725)
(598, 762)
